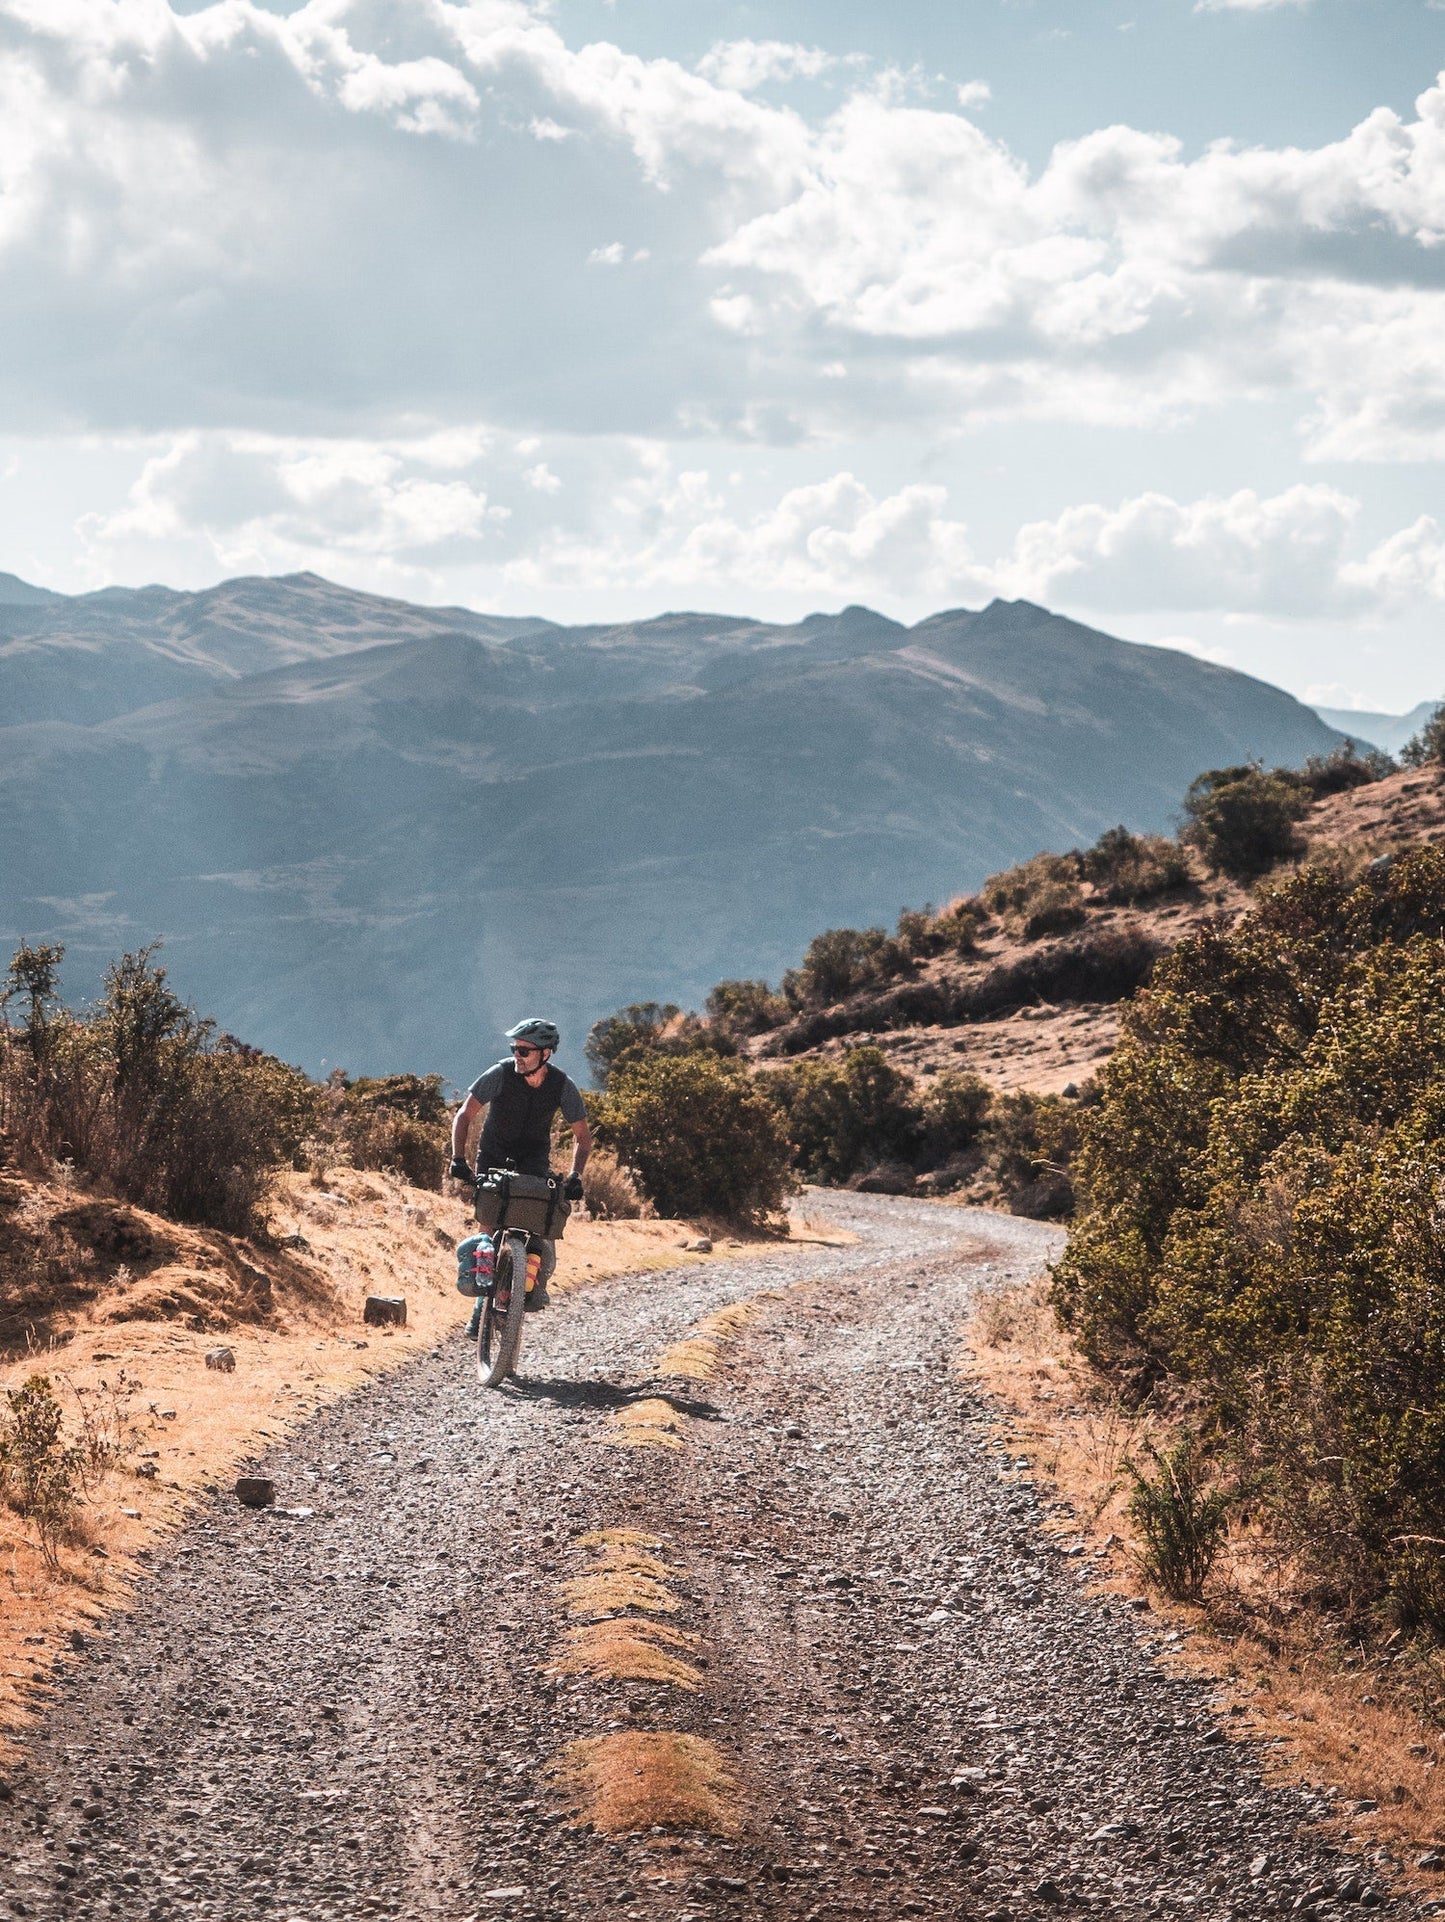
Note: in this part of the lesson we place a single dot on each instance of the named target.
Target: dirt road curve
(349, 1713)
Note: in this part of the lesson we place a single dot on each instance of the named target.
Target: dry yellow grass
(696, 1356)
(1344, 1721)
(628, 1783)
(652, 1423)
(629, 1651)
(366, 1233)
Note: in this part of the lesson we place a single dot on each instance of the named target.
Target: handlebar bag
(533, 1203)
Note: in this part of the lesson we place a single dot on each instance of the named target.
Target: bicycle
(518, 1211)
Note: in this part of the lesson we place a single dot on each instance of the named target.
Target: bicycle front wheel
(499, 1341)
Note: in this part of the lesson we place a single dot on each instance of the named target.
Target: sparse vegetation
(40, 1471)
(400, 1123)
(648, 1028)
(1038, 897)
(1126, 868)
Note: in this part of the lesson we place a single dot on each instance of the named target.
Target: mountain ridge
(393, 828)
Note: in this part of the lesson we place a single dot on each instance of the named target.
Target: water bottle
(476, 1263)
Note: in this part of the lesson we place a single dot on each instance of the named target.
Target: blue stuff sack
(476, 1261)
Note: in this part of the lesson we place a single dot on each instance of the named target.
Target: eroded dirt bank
(910, 1706)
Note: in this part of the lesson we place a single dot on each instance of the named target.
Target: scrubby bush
(1030, 1142)
(842, 962)
(1182, 1523)
(650, 1028)
(612, 1194)
(1242, 820)
(846, 1116)
(745, 1007)
(142, 1094)
(1263, 1218)
(1128, 868)
(398, 1123)
(1337, 772)
(1038, 897)
(699, 1134)
(1427, 748)
(955, 1107)
(40, 1472)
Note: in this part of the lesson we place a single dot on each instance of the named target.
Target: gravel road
(347, 1711)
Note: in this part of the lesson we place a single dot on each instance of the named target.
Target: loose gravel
(342, 1707)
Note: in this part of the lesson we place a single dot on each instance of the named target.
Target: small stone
(77, 1640)
(385, 1311)
(1211, 1737)
(223, 1359)
(702, 1246)
(792, 1431)
(1115, 1832)
(1049, 1892)
(293, 1241)
(1259, 1868)
(1431, 1859)
(147, 1471)
(254, 1491)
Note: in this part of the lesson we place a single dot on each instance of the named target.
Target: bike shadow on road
(609, 1395)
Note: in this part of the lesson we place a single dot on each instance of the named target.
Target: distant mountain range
(1387, 731)
(374, 834)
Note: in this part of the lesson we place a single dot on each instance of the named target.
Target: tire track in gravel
(349, 1714)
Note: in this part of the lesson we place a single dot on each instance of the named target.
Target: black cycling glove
(572, 1188)
(459, 1171)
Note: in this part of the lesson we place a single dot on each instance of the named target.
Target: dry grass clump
(652, 1423)
(627, 1578)
(612, 1194)
(629, 1651)
(696, 1356)
(627, 1783)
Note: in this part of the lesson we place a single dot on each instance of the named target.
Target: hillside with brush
(959, 1053)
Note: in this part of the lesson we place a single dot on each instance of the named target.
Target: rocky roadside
(354, 1704)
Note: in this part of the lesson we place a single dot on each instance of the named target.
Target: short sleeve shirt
(486, 1085)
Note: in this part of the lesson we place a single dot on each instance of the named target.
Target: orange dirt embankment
(118, 1308)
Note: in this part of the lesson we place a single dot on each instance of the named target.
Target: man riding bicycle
(520, 1097)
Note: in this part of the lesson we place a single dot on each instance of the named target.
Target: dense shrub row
(1263, 1215)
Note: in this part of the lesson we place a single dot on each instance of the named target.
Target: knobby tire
(499, 1342)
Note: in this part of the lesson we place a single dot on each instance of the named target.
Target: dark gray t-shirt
(486, 1085)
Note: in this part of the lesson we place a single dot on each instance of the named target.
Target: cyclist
(521, 1096)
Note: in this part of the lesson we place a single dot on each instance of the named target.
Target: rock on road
(350, 1712)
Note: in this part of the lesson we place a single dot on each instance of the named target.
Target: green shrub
(398, 1123)
(647, 1028)
(1182, 1526)
(40, 1473)
(1427, 748)
(1242, 820)
(699, 1134)
(1038, 897)
(745, 1007)
(955, 1107)
(1030, 1142)
(1261, 1215)
(842, 962)
(1128, 868)
(846, 1116)
(1335, 773)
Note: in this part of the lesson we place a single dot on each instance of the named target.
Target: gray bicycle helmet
(542, 1034)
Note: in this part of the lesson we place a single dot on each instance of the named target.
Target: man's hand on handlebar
(572, 1188)
(459, 1171)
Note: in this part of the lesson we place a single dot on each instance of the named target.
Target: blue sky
(598, 309)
